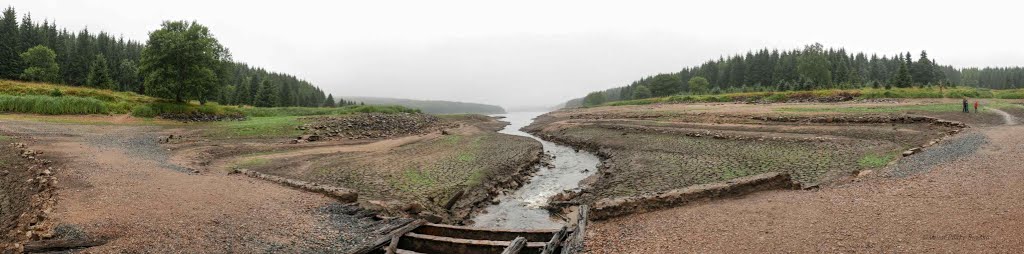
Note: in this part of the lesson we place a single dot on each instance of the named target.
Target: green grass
(49, 105)
(304, 111)
(4, 138)
(943, 107)
(875, 160)
(253, 162)
(158, 108)
(864, 93)
(258, 127)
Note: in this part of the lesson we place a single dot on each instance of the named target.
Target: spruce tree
(99, 74)
(329, 102)
(267, 95)
(903, 78)
(10, 60)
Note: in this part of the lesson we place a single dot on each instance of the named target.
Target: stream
(523, 208)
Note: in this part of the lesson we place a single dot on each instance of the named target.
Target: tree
(698, 85)
(128, 78)
(641, 92)
(813, 66)
(99, 74)
(267, 95)
(922, 72)
(10, 62)
(180, 61)
(594, 99)
(329, 102)
(903, 78)
(41, 65)
(665, 85)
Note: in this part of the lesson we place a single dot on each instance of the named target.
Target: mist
(541, 53)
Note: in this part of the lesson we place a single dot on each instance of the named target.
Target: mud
(27, 196)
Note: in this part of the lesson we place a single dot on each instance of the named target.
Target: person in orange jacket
(975, 106)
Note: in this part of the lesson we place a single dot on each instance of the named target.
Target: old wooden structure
(421, 237)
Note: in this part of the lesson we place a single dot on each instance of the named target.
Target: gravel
(952, 149)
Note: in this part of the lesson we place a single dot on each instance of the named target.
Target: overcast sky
(519, 53)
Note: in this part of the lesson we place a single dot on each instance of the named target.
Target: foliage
(665, 84)
(41, 65)
(179, 60)
(49, 105)
(306, 111)
(698, 84)
(595, 98)
(815, 68)
(10, 63)
(158, 108)
(99, 74)
(329, 102)
(642, 92)
(863, 93)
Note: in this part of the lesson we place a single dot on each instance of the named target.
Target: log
(575, 242)
(451, 202)
(556, 239)
(60, 245)
(393, 247)
(379, 243)
(516, 246)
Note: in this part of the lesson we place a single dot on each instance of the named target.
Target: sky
(541, 53)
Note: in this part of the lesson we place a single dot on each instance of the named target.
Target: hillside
(433, 107)
(811, 68)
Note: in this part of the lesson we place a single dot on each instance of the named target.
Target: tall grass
(159, 108)
(50, 105)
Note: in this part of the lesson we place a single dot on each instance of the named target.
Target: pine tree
(267, 95)
(10, 60)
(329, 102)
(903, 78)
(99, 74)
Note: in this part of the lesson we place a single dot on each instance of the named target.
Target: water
(523, 208)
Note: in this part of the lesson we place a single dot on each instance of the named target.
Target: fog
(541, 53)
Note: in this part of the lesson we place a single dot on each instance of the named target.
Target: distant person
(966, 110)
(975, 106)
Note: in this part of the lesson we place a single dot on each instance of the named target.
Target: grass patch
(5, 138)
(467, 157)
(863, 93)
(156, 109)
(253, 162)
(875, 160)
(943, 107)
(304, 111)
(258, 127)
(50, 105)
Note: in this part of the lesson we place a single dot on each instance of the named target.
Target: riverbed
(523, 208)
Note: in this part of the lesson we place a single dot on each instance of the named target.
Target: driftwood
(556, 239)
(516, 246)
(393, 247)
(386, 239)
(60, 245)
(575, 242)
(451, 202)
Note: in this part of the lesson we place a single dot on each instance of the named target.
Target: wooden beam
(379, 243)
(516, 246)
(555, 241)
(575, 242)
(60, 245)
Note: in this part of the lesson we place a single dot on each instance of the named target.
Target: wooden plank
(60, 245)
(532, 235)
(516, 246)
(379, 243)
(439, 244)
(555, 241)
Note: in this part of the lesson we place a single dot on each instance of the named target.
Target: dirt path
(969, 202)
(1009, 119)
(116, 183)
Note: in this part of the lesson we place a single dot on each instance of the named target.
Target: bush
(304, 111)
(50, 105)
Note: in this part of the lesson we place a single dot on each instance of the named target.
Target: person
(975, 106)
(965, 106)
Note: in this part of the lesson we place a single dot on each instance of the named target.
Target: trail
(1007, 118)
(115, 182)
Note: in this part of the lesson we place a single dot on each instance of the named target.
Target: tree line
(813, 67)
(181, 61)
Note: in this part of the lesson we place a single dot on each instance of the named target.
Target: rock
(445, 132)
(864, 173)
